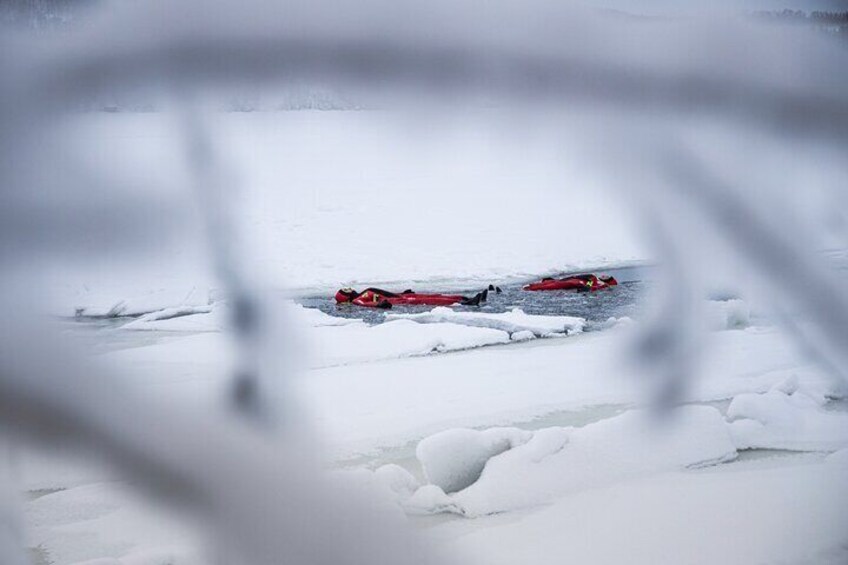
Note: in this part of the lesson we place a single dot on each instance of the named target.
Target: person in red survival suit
(378, 298)
(580, 283)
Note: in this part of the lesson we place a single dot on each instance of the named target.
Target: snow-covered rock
(510, 322)
(454, 459)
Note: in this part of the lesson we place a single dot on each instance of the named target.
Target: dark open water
(596, 307)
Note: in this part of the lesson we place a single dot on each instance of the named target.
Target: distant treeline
(824, 18)
(834, 20)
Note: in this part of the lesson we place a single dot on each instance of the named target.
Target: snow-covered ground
(503, 436)
(327, 199)
(575, 479)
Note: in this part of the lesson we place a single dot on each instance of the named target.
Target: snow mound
(511, 322)
(454, 459)
(556, 461)
(786, 417)
(430, 499)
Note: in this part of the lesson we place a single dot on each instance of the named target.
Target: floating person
(581, 283)
(378, 298)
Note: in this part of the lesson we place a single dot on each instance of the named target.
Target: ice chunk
(786, 418)
(454, 459)
(523, 335)
(510, 322)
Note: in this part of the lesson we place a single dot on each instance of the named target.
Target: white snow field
(609, 486)
(330, 199)
(499, 446)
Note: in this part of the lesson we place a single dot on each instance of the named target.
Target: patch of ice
(510, 322)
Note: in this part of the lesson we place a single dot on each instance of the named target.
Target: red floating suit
(580, 283)
(377, 298)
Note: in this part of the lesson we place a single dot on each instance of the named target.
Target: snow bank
(454, 459)
(732, 515)
(786, 417)
(510, 322)
(555, 461)
(356, 343)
